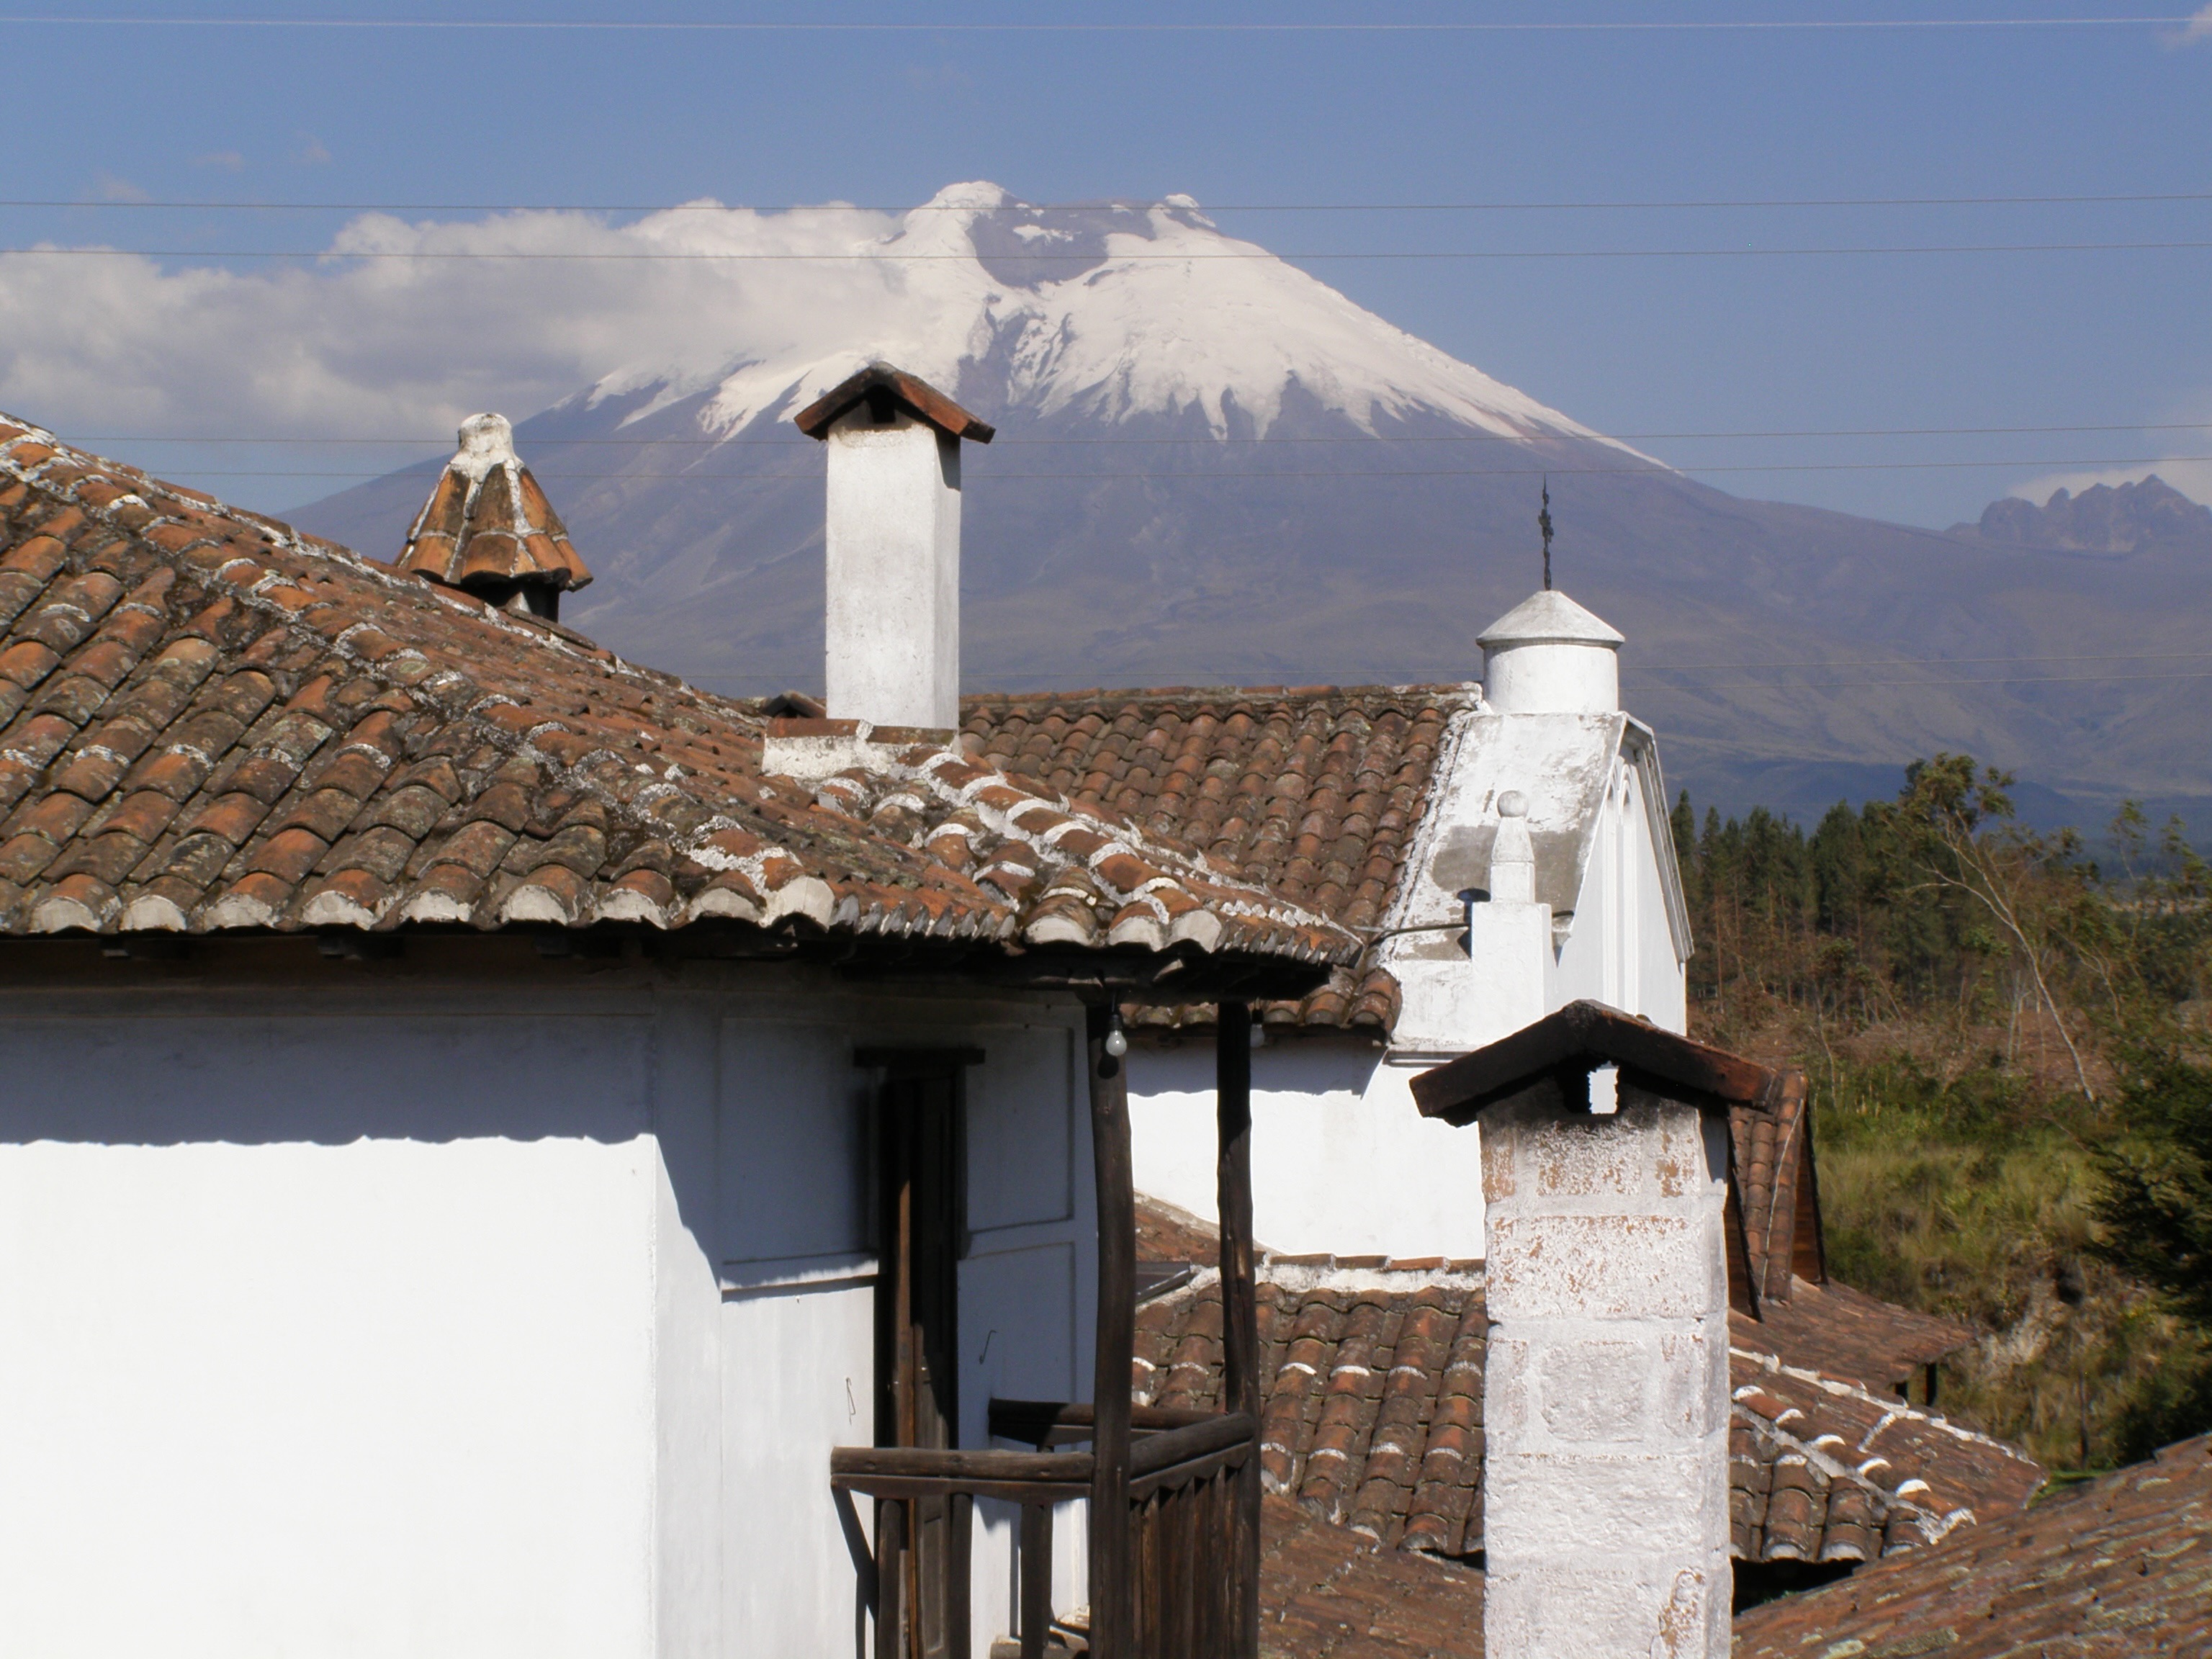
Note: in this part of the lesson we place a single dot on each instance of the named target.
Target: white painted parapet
(1605, 1392)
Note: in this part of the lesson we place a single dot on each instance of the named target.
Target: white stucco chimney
(1606, 1384)
(891, 540)
(1549, 656)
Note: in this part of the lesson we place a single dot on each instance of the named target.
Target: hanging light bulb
(1116, 1045)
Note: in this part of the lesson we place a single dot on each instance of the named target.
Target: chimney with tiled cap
(891, 540)
(1604, 1151)
(488, 530)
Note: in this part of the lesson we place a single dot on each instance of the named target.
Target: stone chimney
(891, 538)
(1549, 656)
(1605, 1149)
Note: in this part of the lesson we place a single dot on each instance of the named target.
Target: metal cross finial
(1544, 524)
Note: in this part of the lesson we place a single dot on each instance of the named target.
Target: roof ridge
(1897, 1410)
(758, 877)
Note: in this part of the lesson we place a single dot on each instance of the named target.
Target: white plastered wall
(1624, 948)
(1343, 1162)
(368, 1329)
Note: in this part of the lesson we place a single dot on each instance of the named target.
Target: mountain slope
(1213, 468)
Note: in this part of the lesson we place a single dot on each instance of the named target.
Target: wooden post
(891, 1578)
(1112, 1633)
(1036, 1578)
(959, 1571)
(1240, 1307)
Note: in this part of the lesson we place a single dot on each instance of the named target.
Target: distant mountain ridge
(1213, 469)
(2101, 520)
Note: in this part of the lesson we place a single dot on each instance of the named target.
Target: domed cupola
(1549, 656)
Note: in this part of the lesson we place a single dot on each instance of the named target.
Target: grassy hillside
(2008, 1054)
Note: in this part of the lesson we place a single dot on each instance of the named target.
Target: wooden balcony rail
(1184, 1517)
(1045, 1423)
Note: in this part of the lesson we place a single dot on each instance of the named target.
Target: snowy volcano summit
(1103, 312)
(1213, 469)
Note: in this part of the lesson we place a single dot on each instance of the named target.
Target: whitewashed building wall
(1342, 1161)
(345, 1324)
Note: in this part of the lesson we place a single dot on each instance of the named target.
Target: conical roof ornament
(488, 530)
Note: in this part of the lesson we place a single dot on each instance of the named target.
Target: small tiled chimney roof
(881, 388)
(487, 527)
(1577, 1040)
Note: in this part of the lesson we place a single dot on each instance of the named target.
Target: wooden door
(921, 1160)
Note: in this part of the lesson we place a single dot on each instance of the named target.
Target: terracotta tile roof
(1773, 1183)
(2120, 1567)
(883, 386)
(1324, 1594)
(1372, 1417)
(1841, 1332)
(209, 721)
(1825, 1470)
(487, 527)
(1315, 792)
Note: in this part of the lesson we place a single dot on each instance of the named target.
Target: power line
(1686, 469)
(1919, 662)
(1754, 203)
(797, 442)
(1087, 259)
(1837, 685)
(1919, 25)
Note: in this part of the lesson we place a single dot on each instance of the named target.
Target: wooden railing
(1184, 1515)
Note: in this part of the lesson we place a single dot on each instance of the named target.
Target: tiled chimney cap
(881, 386)
(487, 527)
(1578, 1039)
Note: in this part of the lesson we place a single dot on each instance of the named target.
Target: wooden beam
(1240, 1306)
(1112, 1632)
(1048, 1423)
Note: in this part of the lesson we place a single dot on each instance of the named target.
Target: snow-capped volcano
(1106, 312)
(1214, 469)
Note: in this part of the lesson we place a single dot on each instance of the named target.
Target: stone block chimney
(1605, 1149)
(892, 540)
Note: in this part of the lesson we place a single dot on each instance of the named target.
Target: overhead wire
(735, 26)
(798, 442)
(1853, 684)
(1366, 255)
(1293, 472)
(1703, 205)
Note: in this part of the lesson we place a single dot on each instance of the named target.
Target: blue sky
(2112, 336)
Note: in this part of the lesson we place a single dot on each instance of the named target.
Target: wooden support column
(1240, 1310)
(1112, 1630)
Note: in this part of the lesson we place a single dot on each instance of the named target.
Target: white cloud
(2193, 478)
(2182, 426)
(407, 345)
(229, 160)
(2199, 26)
(312, 152)
(114, 189)
(400, 329)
